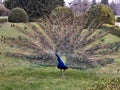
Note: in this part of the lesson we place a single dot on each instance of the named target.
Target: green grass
(17, 74)
(111, 38)
(20, 75)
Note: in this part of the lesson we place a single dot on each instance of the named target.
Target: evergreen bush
(18, 15)
(63, 13)
(3, 20)
(100, 14)
(118, 19)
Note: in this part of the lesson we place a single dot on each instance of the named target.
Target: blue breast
(60, 62)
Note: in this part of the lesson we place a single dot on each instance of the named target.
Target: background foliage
(101, 14)
(34, 8)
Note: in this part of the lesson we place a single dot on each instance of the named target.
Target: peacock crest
(84, 47)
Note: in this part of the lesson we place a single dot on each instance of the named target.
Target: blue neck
(59, 59)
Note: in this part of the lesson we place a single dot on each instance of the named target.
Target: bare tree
(104, 2)
(80, 6)
(94, 2)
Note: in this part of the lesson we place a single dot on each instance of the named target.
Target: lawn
(17, 74)
(20, 75)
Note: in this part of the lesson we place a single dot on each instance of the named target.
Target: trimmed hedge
(101, 14)
(18, 15)
(63, 13)
(3, 20)
(118, 19)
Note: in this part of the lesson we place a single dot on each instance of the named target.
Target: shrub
(101, 14)
(3, 20)
(18, 15)
(62, 13)
(118, 19)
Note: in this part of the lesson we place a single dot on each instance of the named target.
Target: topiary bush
(3, 20)
(62, 13)
(101, 14)
(118, 19)
(18, 15)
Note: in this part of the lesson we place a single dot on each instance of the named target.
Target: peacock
(84, 47)
(61, 64)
